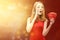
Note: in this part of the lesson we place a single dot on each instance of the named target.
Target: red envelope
(52, 15)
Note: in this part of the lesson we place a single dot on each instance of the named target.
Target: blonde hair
(34, 10)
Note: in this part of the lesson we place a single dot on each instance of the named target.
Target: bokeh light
(13, 16)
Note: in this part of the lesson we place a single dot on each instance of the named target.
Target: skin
(39, 11)
(39, 8)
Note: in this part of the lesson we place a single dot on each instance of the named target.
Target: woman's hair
(34, 11)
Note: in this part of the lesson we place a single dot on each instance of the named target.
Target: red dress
(36, 32)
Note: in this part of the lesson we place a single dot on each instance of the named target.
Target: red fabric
(52, 15)
(36, 32)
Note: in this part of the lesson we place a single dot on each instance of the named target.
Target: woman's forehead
(39, 4)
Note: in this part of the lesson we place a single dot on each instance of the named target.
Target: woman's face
(39, 8)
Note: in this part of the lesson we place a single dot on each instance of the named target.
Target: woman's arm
(30, 23)
(46, 29)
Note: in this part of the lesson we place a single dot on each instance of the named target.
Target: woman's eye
(38, 7)
(42, 7)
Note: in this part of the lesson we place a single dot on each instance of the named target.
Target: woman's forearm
(33, 20)
(47, 30)
(30, 24)
(50, 25)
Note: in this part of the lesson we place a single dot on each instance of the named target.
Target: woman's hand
(52, 21)
(35, 17)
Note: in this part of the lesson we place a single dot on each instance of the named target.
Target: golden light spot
(12, 7)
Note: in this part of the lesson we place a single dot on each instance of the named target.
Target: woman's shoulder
(46, 20)
(28, 18)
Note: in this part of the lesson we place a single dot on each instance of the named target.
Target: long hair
(34, 11)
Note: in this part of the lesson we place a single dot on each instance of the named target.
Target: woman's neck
(38, 18)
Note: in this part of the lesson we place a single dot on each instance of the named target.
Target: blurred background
(14, 14)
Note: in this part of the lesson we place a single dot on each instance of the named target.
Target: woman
(37, 23)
